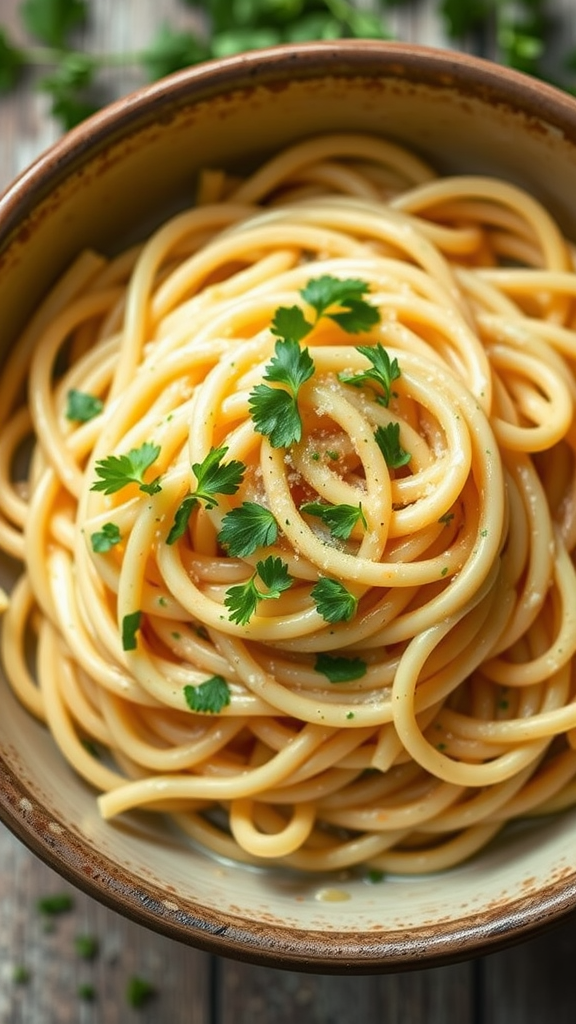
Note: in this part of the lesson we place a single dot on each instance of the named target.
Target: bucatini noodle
(297, 528)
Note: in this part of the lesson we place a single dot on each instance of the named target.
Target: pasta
(297, 527)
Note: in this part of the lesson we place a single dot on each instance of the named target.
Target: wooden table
(529, 984)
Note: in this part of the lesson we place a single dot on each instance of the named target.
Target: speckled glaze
(110, 181)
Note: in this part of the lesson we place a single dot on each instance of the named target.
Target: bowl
(107, 185)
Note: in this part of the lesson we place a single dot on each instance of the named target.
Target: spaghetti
(298, 525)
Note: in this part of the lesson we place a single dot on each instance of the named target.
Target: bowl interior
(111, 181)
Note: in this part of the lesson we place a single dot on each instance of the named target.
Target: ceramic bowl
(463, 115)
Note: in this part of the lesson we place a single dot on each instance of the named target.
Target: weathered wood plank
(180, 976)
(534, 982)
(257, 995)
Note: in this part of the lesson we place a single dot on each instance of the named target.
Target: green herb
(139, 992)
(52, 20)
(117, 471)
(91, 748)
(339, 669)
(212, 478)
(246, 528)
(106, 538)
(55, 903)
(86, 991)
(243, 600)
(21, 975)
(340, 519)
(332, 454)
(275, 410)
(171, 50)
(462, 17)
(354, 314)
(447, 518)
(12, 61)
(375, 875)
(382, 372)
(82, 406)
(350, 714)
(209, 697)
(333, 601)
(388, 441)
(130, 627)
(87, 946)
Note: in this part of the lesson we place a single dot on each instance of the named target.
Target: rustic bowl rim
(96, 874)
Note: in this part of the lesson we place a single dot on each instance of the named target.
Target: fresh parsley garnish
(209, 697)
(354, 314)
(388, 441)
(81, 406)
(275, 410)
(243, 599)
(446, 518)
(333, 600)
(339, 669)
(246, 528)
(382, 372)
(106, 538)
(340, 519)
(117, 471)
(212, 478)
(130, 627)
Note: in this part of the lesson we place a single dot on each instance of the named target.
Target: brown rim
(97, 875)
(330, 952)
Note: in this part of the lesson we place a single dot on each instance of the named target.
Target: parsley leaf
(210, 696)
(246, 528)
(212, 478)
(87, 946)
(52, 20)
(130, 627)
(290, 324)
(383, 371)
(81, 406)
(105, 539)
(242, 600)
(338, 669)
(355, 314)
(55, 903)
(74, 73)
(275, 414)
(117, 471)
(274, 410)
(333, 600)
(12, 61)
(388, 441)
(139, 992)
(171, 50)
(340, 519)
(290, 365)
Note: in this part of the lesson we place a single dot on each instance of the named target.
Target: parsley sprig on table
(218, 28)
(515, 34)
